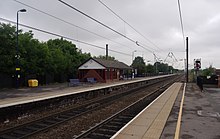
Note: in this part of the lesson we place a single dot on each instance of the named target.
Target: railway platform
(150, 122)
(11, 97)
(179, 113)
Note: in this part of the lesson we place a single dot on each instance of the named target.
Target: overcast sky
(157, 20)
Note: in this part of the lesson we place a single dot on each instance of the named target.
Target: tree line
(157, 68)
(55, 60)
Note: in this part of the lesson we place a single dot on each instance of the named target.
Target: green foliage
(150, 68)
(162, 67)
(208, 71)
(54, 57)
(7, 48)
(139, 64)
(158, 67)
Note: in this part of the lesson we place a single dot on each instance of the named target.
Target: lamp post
(17, 56)
(132, 72)
(133, 56)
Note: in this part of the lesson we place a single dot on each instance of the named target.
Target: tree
(56, 57)
(7, 48)
(65, 57)
(208, 71)
(150, 68)
(139, 64)
(162, 67)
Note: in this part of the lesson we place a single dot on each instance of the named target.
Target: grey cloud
(158, 20)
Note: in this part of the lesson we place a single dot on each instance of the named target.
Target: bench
(91, 80)
(74, 82)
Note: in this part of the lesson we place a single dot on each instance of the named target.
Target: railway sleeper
(50, 121)
(77, 112)
(112, 127)
(5, 136)
(33, 128)
(26, 129)
(15, 134)
(99, 136)
(21, 132)
(47, 122)
(127, 116)
(115, 123)
(63, 116)
(69, 114)
(56, 119)
(60, 118)
(122, 121)
(42, 124)
(106, 131)
(124, 118)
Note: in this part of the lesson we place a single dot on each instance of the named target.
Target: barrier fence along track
(44, 123)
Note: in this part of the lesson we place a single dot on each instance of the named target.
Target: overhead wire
(181, 21)
(99, 22)
(69, 23)
(96, 21)
(58, 35)
(129, 25)
(134, 30)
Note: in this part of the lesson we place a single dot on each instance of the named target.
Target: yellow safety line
(177, 133)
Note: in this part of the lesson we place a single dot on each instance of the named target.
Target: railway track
(107, 128)
(45, 123)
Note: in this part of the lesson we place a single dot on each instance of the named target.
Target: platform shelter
(103, 70)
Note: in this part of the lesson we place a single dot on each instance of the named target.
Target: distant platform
(13, 97)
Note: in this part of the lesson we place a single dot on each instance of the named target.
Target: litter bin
(32, 83)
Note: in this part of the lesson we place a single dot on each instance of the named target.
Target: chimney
(106, 54)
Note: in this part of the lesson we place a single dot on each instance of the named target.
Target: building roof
(217, 71)
(109, 63)
(112, 63)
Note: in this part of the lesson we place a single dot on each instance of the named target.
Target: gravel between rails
(74, 127)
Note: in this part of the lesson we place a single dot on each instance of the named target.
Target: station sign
(197, 64)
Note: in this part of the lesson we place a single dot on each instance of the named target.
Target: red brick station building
(103, 70)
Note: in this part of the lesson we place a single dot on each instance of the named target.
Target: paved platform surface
(150, 123)
(25, 95)
(201, 119)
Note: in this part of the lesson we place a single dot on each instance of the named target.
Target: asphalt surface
(201, 119)
(201, 114)
(31, 91)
